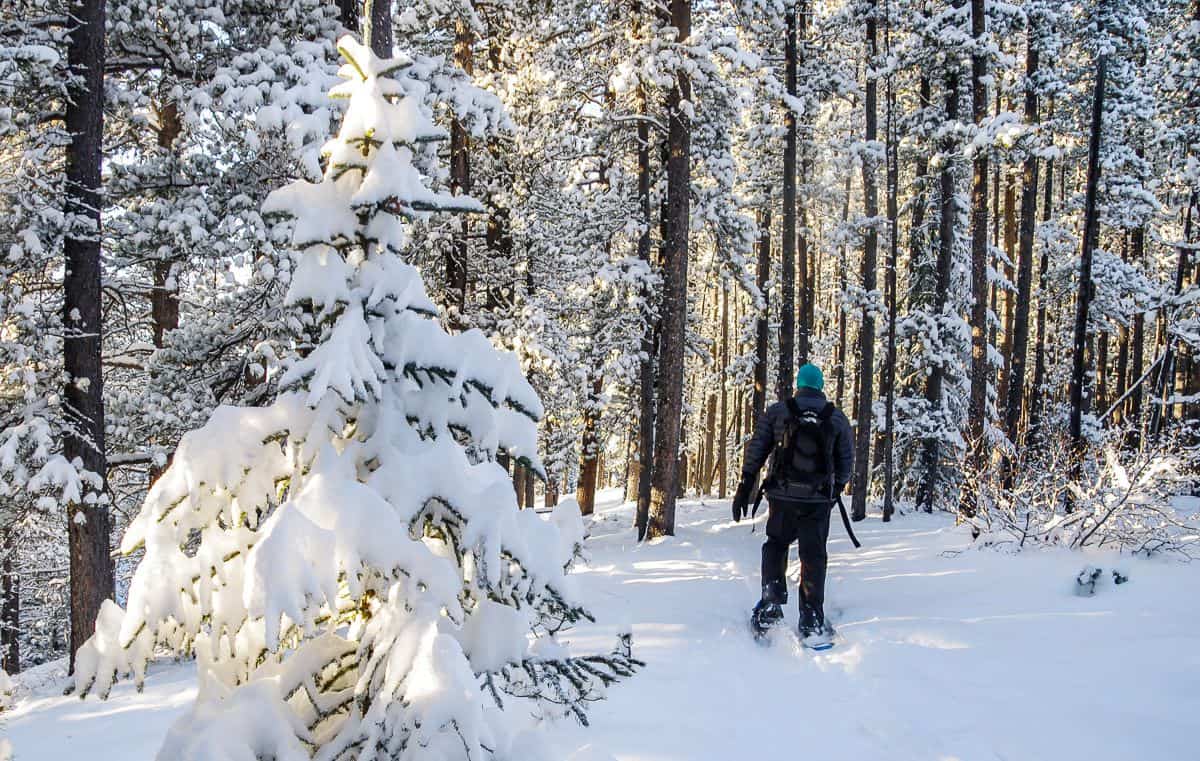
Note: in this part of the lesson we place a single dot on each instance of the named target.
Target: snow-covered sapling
(349, 565)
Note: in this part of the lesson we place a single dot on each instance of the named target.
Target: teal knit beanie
(810, 377)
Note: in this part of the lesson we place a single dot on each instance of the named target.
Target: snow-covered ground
(944, 655)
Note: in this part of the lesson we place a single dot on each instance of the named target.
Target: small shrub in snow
(1124, 500)
(349, 565)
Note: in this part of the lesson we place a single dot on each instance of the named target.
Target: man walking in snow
(812, 456)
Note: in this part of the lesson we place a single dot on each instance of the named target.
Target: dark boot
(769, 610)
(814, 629)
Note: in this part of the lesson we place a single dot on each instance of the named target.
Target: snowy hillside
(944, 655)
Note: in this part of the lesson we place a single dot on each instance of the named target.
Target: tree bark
(1036, 396)
(723, 428)
(1137, 241)
(785, 380)
(665, 485)
(1091, 231)
(866, 331)
(1025, 236)
(378, 19)
(348, 14)
(761, 332)
(589, 448)
(83, 440)
(457, 278)
(977, 402)
(931, 452)
(518, 479)
(10, 610)
(889, 378)
(804, 270)
(646, 382)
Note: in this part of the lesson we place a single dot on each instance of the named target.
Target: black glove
(741, 499)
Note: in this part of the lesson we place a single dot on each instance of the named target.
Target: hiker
(812, 457)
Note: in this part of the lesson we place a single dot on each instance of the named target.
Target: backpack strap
(794, 408)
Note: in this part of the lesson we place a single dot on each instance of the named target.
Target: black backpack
(803, 456)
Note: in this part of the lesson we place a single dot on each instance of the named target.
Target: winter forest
(375, 375)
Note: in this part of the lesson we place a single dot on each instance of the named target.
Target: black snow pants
(807, 524)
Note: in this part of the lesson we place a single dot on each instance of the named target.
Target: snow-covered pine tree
(348, 564)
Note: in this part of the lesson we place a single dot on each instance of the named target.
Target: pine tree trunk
(589, 448)
(457, 276)
(1012, 275)
(646, 382)
(723, 438)
(931, 451)
(761, 333)
(785, 379)
(841, 313)
(1036, 395)
(10, 610)
(665, 486)
(88, 521)
(1091, 232)
(866, 330)
(804, 269)
(1166, 383)
(977, 402)
(703, 474)
(529, 488)
(918, 239)
(378, 17)
(518, 479)
(1015, 385)
(348, 14)
(889, 377)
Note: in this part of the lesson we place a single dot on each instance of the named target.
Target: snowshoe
(764, 617)
(815, 632)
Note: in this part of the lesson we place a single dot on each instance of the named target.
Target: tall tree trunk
(1137, 241)
(889, 378)
(589, 447)
(866, 331)
(164, 298)
(1036, 395)
(841, 313)
(1010, 250)
(947, 211)
(10, 609)
(348, 14)
(88, 519)
(457, 278)
(1091, 232)
(977, 402)
(919, 276)
(646, 383)
(518, 479)
(665, 486)
(1166, 382)
(761, 332)
(804, 268)
(723, 428)
(378, 19)
(1025, 236)
(529, 488)
(787, 277)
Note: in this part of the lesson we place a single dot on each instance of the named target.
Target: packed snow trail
(943, 655)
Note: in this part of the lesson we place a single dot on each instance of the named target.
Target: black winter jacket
(771, 427)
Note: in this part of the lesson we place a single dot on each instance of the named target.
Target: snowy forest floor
(944, 655)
